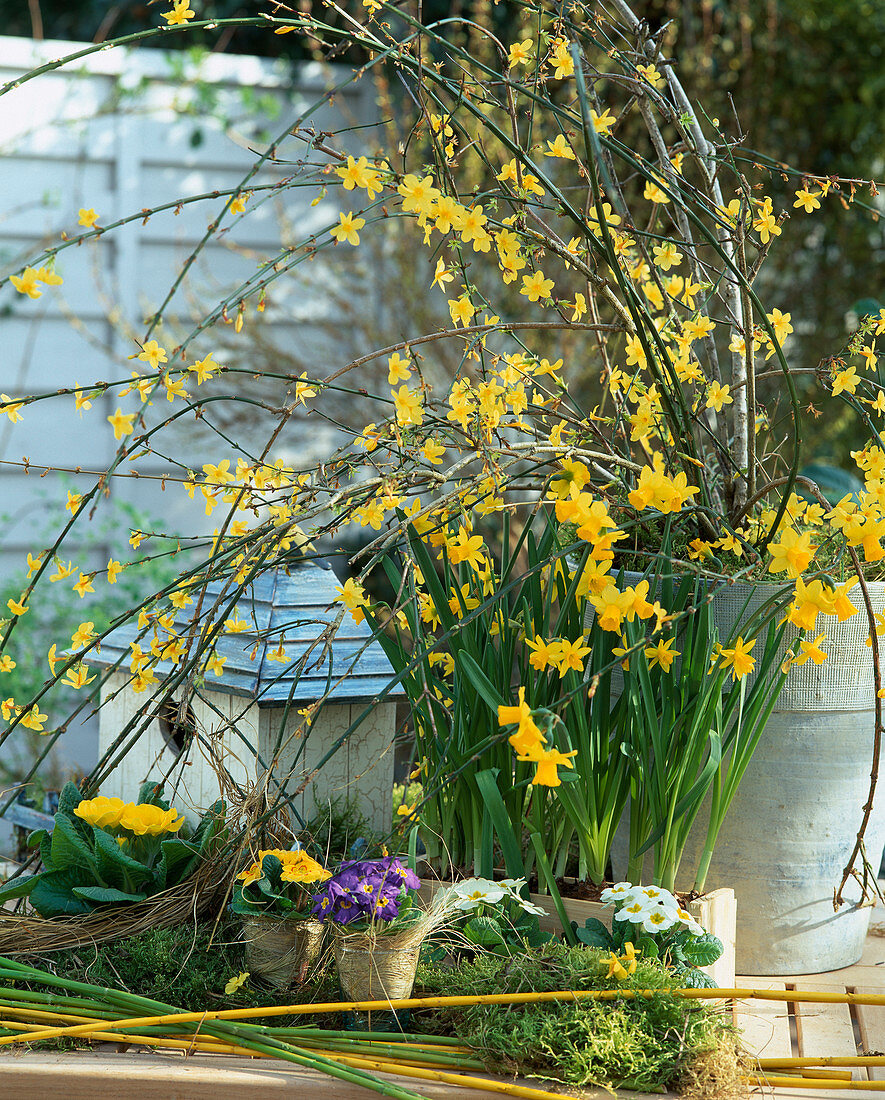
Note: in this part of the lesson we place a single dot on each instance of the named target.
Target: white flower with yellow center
(635, 912)
(621, 891)
(659, 919)
(473, 892)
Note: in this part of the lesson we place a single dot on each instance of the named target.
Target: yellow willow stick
(777, 1082)
(412, 1051)
(202, 1046)
(505, 1087)
(485, 999)
(207, 1044)
(367, 1059)
(830, 1074)
(862, 1060)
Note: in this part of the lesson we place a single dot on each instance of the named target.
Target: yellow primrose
(148, 820)
(102, 812)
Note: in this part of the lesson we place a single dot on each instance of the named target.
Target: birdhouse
(260, 714)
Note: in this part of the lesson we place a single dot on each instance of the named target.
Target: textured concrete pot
(792, 825)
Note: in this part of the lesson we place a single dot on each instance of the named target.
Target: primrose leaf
(53, 895)
(594, 934)
(18, 888)
(152, 793)
(69, 799)
(68, 849)
(105, 895)
(176, 861)
(692, 978)
(484, 932)
(648, 947)
(703, 950)
(273, 869)
(115, 866)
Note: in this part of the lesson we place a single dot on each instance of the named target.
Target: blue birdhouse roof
(293, 609)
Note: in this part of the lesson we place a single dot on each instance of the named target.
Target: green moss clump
(646, 1043)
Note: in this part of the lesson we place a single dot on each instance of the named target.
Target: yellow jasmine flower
(84, 584)
(399, 369)
(353, 596)
(303, 389)
(559, 147)
(409, 406)
(215, 664)
(807, 200)
(717, 396)
(602, 123)
(49, 277)
(33, 719)
(77, 676)
(26, 283)
(153, 354)
(347, 229)
(122, 423)
(544, 654)
(179, 14)
(520, 53)
(536, 286)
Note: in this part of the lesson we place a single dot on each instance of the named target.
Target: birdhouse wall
(220, 718)
(361, 769)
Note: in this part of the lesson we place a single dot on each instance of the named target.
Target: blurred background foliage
(800, 81)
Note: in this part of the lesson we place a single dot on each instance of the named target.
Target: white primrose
(690, 923)
(659, 919)
(636, 911)
(621, 891)
(658, 894)
(473, 892)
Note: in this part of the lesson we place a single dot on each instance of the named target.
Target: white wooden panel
(362, 769)
(87, 269)
(88, 443)
(62, 115)
(107, 132)
(371, 762)
(192, 782)
(45, 353)
(826, 1030)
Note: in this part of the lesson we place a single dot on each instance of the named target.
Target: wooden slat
(717, 913)
(826, 1030)
(872, 1028)
(765, 1025)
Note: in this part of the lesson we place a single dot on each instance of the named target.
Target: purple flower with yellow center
(366, 890)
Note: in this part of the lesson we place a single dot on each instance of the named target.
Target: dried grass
(31, 934)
